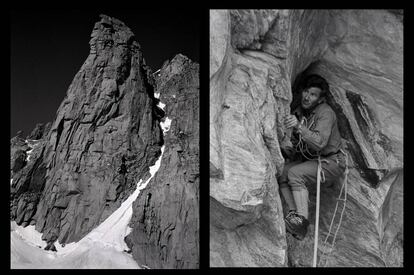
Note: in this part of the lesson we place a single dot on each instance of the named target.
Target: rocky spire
(104, 138)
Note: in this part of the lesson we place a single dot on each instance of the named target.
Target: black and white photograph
(306, 138)
(104, 139)
(134, 130)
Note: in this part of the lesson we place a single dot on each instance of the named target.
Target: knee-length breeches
(297, 174)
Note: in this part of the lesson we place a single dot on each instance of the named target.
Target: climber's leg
(284, 187)
(297, 223)
(298, 176)
(301, 200)
(288, 197)
(333, 168)
(304, 173)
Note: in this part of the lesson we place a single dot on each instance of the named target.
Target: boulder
(258, 59)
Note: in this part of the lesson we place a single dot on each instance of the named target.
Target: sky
(47, 49)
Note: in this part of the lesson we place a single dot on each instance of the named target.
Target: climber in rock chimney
(314, 132)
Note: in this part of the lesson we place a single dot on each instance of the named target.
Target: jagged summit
(112, 21)
(109, 32)
(101, 143)
(178, 60)
(177, 65)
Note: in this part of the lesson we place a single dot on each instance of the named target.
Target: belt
(331, 154)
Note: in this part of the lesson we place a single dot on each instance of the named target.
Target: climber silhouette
(314, 134)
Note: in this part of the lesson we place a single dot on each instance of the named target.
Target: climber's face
(311, 97)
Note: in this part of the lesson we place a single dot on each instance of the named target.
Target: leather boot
(297, 222)
(296, 225)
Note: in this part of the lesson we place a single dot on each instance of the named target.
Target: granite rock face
(245, 207)
(40, 131)
(105, 136)
(258, 59)
(165, 223)
(17, 154)
(28, 174)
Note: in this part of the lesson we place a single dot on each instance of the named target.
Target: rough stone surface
(18, 149)
(28, 178)
(245, 156)
(261, 58)
(39, 131)
(391, 222)
(165, 219)
(219, 25)
(105, 136)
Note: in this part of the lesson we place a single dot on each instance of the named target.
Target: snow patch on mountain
(103, 248)
(161, 105)
(165, 125)
(32, 144)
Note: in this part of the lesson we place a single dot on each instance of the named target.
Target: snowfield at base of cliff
(102, 248)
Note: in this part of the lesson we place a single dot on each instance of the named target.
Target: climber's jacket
(319, 129)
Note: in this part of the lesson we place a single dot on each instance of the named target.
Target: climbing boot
(290, 214)
(297, 225)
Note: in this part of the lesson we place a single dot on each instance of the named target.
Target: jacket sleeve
(318, 137)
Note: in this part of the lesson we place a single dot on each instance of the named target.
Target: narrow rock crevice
(59, 131)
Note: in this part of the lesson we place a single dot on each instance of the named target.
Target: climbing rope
(303, 149)
(344, 190)
(318, 187)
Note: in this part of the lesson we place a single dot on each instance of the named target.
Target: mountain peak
(177, 65)
(110, 32)
(111, 20)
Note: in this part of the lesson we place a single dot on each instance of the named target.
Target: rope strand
(302, 147)
(344, 187)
